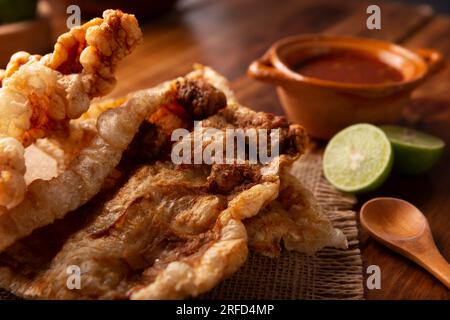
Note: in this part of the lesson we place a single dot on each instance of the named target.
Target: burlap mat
(329, 274)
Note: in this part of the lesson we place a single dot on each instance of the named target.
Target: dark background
(442, 6)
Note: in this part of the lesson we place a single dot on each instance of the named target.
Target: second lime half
(415, 152)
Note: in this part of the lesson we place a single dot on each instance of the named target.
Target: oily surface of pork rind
(48, 200)
(161, 236)
(169, 231)
(40, 95)
(295, 220)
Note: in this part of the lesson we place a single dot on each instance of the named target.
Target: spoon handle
(435, 263)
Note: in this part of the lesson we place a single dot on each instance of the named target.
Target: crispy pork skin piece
(166, 231)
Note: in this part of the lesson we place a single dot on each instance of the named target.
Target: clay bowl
(324, 107)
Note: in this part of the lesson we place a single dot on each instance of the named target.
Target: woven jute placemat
(329, 274)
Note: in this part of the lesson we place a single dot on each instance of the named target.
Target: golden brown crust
(94, 50)
(193, 237)
(165, 231)
(46, 201)
(40, 95)
(294, 220)
(136, 245)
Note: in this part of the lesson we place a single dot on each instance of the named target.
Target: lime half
(358, 158)
(415, 152)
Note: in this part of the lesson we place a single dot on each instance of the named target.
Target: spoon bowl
(402, 227)
(394, 219)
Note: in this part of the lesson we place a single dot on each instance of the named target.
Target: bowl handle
(262, 69)
(432, 58)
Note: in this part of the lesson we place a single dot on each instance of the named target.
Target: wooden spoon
(403, 228)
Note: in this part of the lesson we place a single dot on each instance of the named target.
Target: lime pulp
(358, 159)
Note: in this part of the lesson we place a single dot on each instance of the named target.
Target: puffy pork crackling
(158, 230)
(138, 225)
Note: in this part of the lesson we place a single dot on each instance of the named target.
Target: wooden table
(229, 34)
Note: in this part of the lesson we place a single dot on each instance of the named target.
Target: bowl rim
(396, 49)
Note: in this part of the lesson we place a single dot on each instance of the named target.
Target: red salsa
(348, 67)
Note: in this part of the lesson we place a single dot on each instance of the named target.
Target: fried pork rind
(295, 220)
(165, 234)
(40, 95)
(162, 236)
(168, 231)
(46, 201)
(64, 145)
